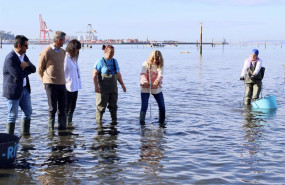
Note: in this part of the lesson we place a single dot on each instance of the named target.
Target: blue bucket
(8, 149)
(268, 102)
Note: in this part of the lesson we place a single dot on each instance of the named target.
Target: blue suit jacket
(13, 76)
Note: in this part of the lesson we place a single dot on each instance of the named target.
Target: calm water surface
(209, 137)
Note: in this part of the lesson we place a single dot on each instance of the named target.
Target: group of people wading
(59, 72)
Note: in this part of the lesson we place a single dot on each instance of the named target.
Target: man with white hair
(51, 71)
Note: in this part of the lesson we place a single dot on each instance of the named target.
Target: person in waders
(106, 73)
(252, 74)
(151, 75)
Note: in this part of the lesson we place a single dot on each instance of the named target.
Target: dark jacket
(258, 78)
(13, 76)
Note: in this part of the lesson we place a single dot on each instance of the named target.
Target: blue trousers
(159, 99)
(25, 104)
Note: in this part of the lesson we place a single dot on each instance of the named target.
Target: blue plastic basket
(268, 102)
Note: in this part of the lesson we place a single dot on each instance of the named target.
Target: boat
(185, 52)
(155, 44)
(172, 45)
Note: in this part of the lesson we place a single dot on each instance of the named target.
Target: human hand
(124, 88)
(145, 85)
(241, 78)
(24, 65)
(97, 89)
(155, 83)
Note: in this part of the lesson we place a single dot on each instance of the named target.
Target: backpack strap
(114, 63)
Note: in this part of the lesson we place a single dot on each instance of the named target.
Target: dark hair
(107, 47)
(72, 46)
(20, 39)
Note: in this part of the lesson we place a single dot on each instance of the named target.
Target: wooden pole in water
(265, 44)
(201, 29)
(0, 42)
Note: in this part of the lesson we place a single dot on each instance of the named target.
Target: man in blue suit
(16, 85)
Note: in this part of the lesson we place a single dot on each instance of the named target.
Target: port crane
(89, 37)
(44, 31)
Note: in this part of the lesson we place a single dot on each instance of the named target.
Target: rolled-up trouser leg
(101, 104)
(248, 93)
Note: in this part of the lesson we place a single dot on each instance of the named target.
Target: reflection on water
(60, 157)
(151, 150)
(209, 139)
(253, 127)
(105, 150)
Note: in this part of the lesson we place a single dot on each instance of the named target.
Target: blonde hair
(155, 54)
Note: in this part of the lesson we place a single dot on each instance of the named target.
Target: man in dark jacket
(16, 85)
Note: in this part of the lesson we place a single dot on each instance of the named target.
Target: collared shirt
(72, 74)
(21, 57)
(54, 48)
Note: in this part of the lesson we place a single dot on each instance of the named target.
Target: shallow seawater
(209, 137)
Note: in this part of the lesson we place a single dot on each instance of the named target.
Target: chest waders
(253, 86)
(108, 95)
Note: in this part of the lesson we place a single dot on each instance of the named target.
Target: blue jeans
(24, 102)
(159, 99)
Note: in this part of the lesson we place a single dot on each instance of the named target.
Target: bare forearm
(120, 79)
(95, 80)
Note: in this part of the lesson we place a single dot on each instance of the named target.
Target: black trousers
(71, 98)
(56, 95)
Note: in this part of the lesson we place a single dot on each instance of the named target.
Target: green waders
(252, 86)
(108, 96)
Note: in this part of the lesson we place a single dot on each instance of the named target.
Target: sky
(234, 20)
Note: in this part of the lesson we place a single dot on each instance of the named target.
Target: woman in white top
(72, 78)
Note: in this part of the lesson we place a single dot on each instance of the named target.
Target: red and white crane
(44, 32)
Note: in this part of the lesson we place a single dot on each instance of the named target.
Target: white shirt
(54, 48)
(246, 65)
(72, 74)
(21, 57)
